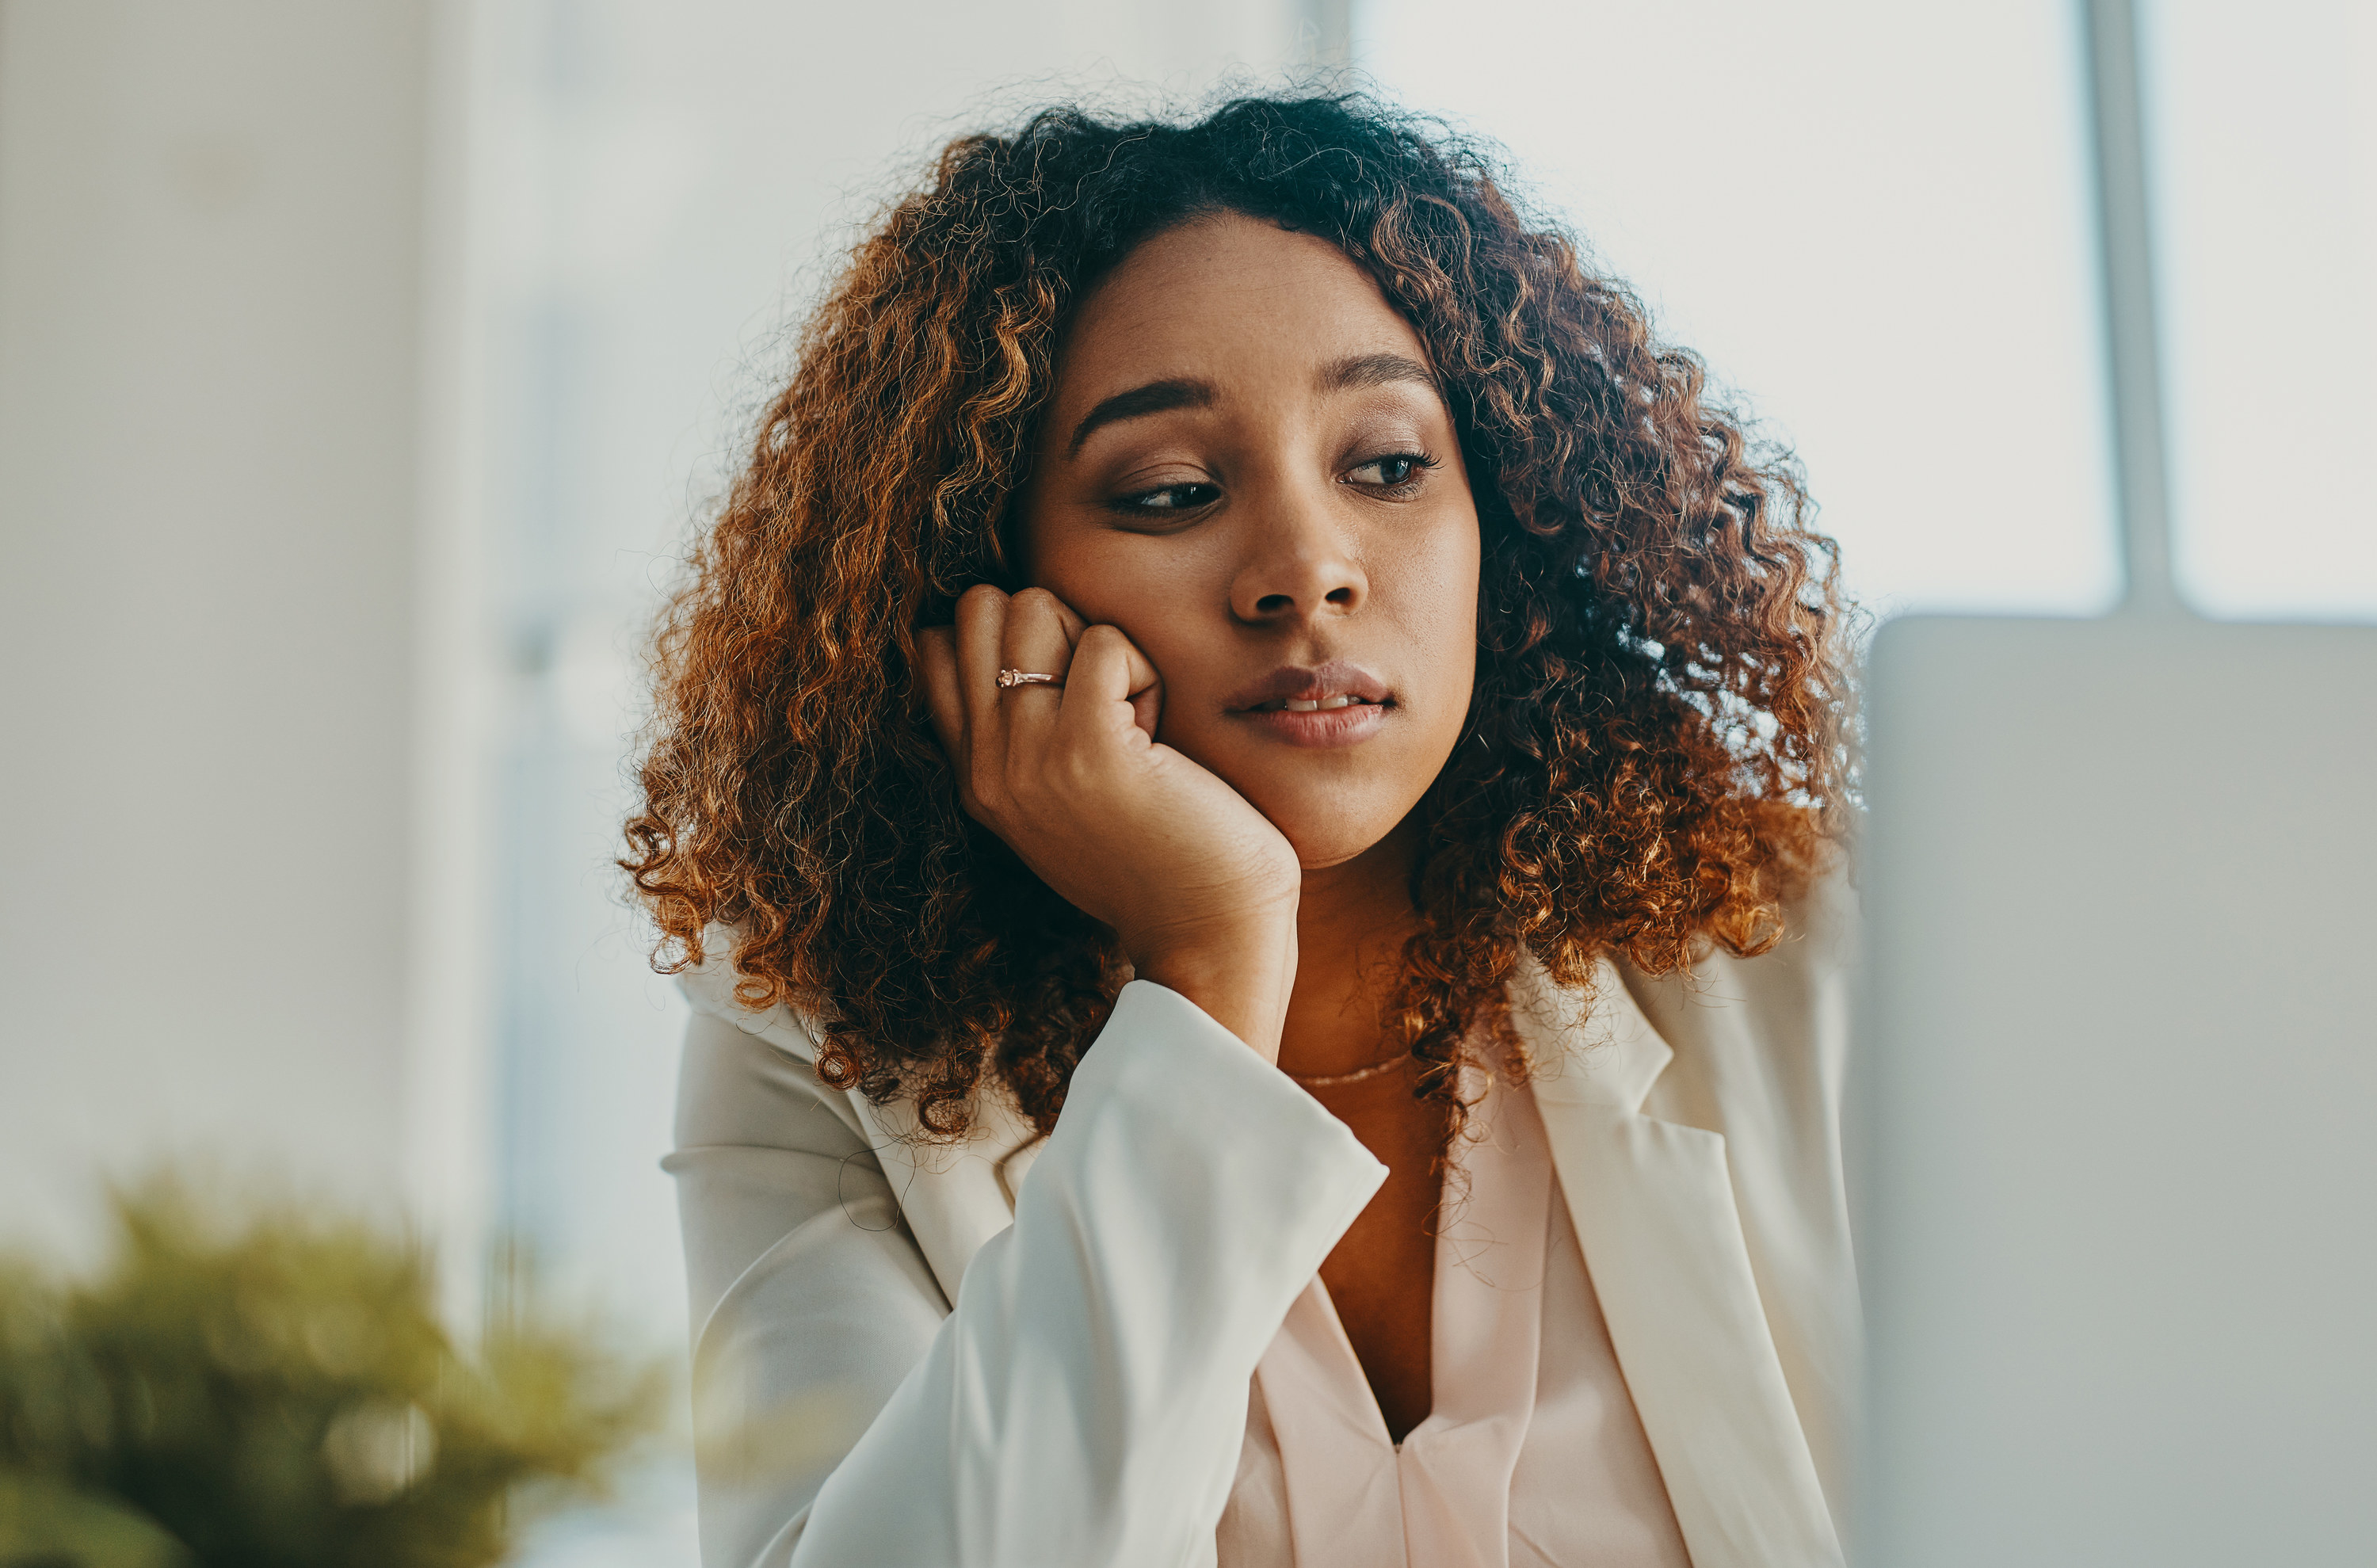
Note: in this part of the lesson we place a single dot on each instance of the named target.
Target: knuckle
(1073, 766)
(1035, 602)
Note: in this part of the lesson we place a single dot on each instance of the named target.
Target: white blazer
(1037, 1352)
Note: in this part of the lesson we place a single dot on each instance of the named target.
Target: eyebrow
(1376, 370)
(1162, 397)
(1156, 397)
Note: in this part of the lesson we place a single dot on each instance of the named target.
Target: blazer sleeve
(1083, 1400)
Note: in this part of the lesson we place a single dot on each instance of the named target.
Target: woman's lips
(1336, 703)
(1332, 682)
(1346, 724)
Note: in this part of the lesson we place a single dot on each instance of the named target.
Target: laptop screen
(2116, 1093)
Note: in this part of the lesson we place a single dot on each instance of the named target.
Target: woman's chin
(1329, 820)
(1328, 842)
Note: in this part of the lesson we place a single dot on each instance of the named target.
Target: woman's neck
(1351, 924)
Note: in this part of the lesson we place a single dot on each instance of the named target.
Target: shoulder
(710, 989)
(1766, 1036)
(748, 1075)
(1817, 949)
(744, 1062)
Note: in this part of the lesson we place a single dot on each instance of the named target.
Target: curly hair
(1655, 754)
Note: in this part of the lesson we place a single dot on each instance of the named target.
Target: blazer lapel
(1654, 1209)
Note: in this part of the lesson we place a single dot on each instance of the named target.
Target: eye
(1396, 473)
(1170, 500)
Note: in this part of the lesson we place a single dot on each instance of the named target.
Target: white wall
(208, 258)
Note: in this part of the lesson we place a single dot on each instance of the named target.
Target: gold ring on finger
(1026, 677)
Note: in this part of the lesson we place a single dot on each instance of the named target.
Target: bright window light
(1874, 219)
(2263, 158)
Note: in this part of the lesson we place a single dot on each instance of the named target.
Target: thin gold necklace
(1331, 1079)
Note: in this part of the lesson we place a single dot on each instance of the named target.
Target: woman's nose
(1298, 565)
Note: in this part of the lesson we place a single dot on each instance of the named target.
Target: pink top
(1531, 1456)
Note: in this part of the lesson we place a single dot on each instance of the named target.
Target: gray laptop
(2115, 1102)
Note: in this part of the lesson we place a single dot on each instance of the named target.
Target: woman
(1242, 789)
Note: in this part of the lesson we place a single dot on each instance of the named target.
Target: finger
(1111, 679)
(1036, 639)
(936, 671)
(982, 616)
(1147, 705)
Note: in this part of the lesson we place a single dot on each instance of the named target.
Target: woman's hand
(1198, 886)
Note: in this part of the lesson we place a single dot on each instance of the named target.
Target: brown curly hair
(1654, 752)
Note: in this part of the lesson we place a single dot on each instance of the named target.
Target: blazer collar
(1597, 1041)
(1653, 1206)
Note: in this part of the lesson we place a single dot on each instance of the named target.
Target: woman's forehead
(1225, 299)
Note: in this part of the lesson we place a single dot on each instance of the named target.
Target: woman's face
(1247, 468)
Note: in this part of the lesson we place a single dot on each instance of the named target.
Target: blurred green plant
(255, 1384)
